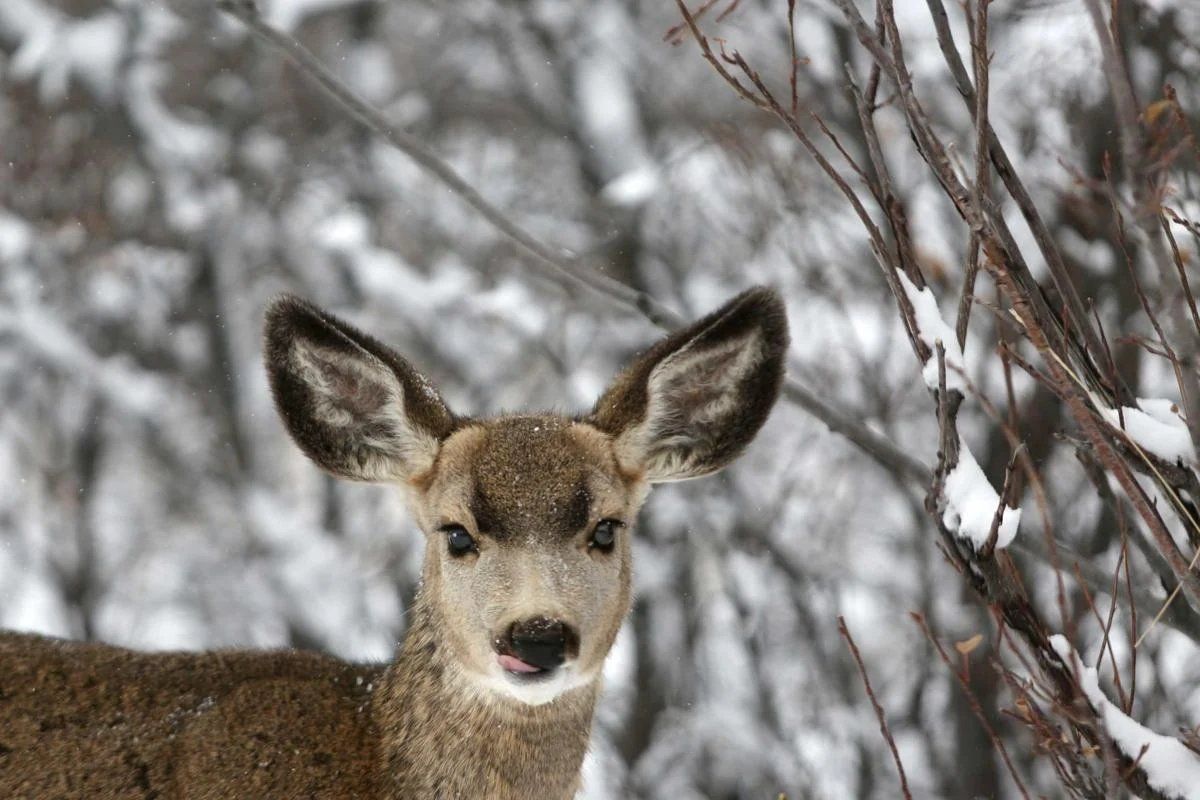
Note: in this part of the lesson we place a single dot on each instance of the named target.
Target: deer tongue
(514, 664)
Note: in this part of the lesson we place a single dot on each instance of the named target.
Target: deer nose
(540, 642)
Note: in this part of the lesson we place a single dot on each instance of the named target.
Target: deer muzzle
(536, 645)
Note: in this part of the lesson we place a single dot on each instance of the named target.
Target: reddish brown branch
(973, 702)
(883, 726)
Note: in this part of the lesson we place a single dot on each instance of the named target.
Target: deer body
(93, 721)
(82, 720)
(525, 583)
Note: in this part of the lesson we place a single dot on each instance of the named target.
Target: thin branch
(981, 62)
(973, 702)
(1140, 177)
(883, 726)
(1016, 189)
(311, 67)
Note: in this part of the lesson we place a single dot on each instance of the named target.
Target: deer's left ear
(691, 404)
(352, 404)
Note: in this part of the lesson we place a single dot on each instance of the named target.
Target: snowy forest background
(162, 175)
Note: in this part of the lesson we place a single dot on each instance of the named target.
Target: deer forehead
(521, 476)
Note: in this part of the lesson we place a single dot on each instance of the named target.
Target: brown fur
(444, 720)
(94, 721)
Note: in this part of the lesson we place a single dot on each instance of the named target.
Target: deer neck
(444, 736)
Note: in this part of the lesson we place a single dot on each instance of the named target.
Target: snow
(128, 194)
(369, 71)
(32, 604)
(288, 14)
(633, 188)
(1171, 768)
(1157, 427)
(16, 237)
(971, 504)
(608, 110)
(56, 48)
(343, 231)
(931, 328)
(138, 392)
(171, 139)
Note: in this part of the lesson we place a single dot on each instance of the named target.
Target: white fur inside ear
(691, 396)
(359, 398)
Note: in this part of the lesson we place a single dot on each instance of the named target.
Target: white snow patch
(54, 48)
(933, 329)
(288, 14)
(171, 138)
(634, 187)
(264, 151)
(1157, 426)
(344, 231)
(129, 194)
(1170, 767)
(369, 69)
(16, 237)
(34, 605)
(971, 504)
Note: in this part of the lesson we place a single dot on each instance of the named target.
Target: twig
(883, 726)
(989, 545)
(973, 701)
(878, 447)
(791, 20)
(1184, 283)
(706, 51)
(246, 11)
(1139, 177)
(1016, 189)
(1066, 342)
(980, 61)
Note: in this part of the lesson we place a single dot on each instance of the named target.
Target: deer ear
(690, 404)
(354, 406)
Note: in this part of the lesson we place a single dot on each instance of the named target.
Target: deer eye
(458, 540)
(604, 536)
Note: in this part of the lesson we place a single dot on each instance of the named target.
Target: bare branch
(973, 701)
(547, 258)
(883, 726)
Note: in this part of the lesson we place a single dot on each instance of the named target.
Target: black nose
(542, 642)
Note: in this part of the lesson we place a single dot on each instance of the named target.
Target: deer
(528, 521)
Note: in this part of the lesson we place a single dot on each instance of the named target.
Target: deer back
(91, 720)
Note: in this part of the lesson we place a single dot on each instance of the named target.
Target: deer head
(527, 518)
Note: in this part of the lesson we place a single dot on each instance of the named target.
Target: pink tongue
(514, 664)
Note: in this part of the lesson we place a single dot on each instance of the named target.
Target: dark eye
(605, 535)
(458, 540)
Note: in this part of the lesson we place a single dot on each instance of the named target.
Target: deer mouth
(521, 669)
(535, 648)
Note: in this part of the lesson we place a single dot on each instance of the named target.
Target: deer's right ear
(352, 404)
(693, 402)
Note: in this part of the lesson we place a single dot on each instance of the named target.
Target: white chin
(535, 691)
